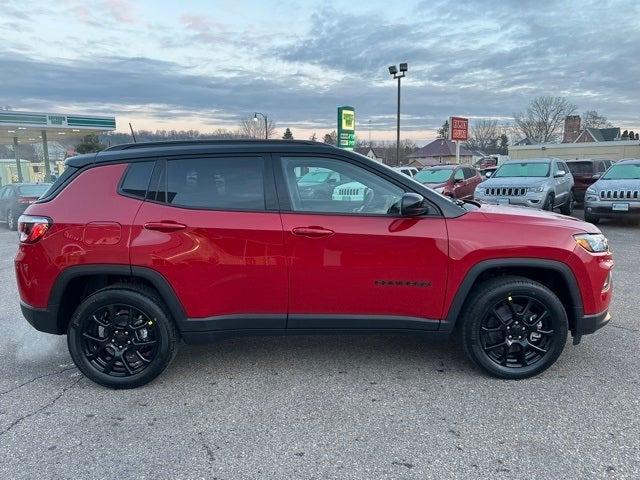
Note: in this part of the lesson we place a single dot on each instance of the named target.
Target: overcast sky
(206, 64)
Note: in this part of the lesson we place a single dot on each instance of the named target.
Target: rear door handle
(164, 226)
(312, 232)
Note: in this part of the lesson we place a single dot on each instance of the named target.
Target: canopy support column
(45, 154)
(18, 166)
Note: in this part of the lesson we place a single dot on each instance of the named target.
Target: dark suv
(140, 245)
(585, 173)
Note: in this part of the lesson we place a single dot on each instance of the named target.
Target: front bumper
(529, 200)
(589, 324)
(605, 208)
(42, 319)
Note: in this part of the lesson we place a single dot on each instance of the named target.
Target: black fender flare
(455, 308)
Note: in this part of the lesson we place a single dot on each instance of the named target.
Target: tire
(510, 346)
(591, 218)
(567, 207)
(131, 336)
(548, 203)
(11, 221)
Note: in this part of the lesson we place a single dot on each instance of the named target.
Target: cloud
(487, 59)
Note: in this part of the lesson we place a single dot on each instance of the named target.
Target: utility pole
(393, 70)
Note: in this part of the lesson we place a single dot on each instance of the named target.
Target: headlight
(592, 242)
(439, 189)
(536, 189)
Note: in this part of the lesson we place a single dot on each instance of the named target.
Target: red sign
(458, 128)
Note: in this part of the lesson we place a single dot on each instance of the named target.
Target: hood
(621, 184)
(515, 214)
(514, 181)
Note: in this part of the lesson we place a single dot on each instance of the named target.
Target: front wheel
(548, 203)
(513, 327)
(122, 337)
(567, 207)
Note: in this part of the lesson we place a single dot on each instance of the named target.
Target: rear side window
(136, 179)
(235, 183)
(469, 173)
(60, 181)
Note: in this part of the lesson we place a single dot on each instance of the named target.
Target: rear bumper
(42, 319)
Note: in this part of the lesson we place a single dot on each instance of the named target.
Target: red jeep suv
(141, 245)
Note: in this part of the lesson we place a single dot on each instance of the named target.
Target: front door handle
(164, 226)
(312, 232)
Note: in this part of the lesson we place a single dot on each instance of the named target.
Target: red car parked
(140, 245)
(585, 173)
(455, 181)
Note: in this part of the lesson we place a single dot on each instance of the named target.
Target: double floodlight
(393, 70)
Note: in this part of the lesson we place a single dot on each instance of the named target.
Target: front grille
(620, 194)
(350, 191)
(507, 191)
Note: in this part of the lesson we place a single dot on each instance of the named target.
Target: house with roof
(574, 133)
(370, 152)
(439, 152)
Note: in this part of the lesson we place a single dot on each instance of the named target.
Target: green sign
(346, 128)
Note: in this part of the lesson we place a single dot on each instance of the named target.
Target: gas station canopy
(27, 127)
(30, 127)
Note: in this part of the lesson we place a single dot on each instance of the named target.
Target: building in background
(574, 133)
(612, 150)
(370, 152)
(439, 152)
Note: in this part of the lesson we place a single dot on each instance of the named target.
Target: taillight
(32, 228)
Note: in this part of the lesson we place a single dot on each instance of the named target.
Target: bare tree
(591, 118)
(331, 138)
(250, 128)
(543, 120)
(484, 135)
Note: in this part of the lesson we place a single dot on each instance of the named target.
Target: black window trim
(271, 201)
(283, 190)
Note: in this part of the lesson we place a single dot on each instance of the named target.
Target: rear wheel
(122, 337)
(567, 207)
(513, 327)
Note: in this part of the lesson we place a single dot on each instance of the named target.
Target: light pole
(393, 70)
(266, 128)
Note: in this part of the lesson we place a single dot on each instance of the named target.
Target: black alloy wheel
(119, 340)
(517, 331)
(513, 327)
(122, 336)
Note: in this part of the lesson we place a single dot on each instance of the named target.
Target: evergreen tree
(287, 134)
(90, 144)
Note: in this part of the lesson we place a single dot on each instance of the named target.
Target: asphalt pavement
(326, 407)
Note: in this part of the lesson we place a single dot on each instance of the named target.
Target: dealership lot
(326, 407)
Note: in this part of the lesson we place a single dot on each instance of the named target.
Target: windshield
(314, 177)
(624, 171)
(524, 169)
(580, 168)
(33, 190)
(438, 175)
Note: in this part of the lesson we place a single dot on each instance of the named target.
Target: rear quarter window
(136, 179)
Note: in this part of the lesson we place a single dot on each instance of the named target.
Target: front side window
(459, 175)
(523, 169)
(357, 190)
(216, 183)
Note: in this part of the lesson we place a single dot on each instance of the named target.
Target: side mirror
(488, 174)
(596, 176)
(560, 173)
(412, 205)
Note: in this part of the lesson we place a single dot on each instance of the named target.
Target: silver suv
(544, 183)
(615, 194)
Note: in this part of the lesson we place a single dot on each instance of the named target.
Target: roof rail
(177, 143)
